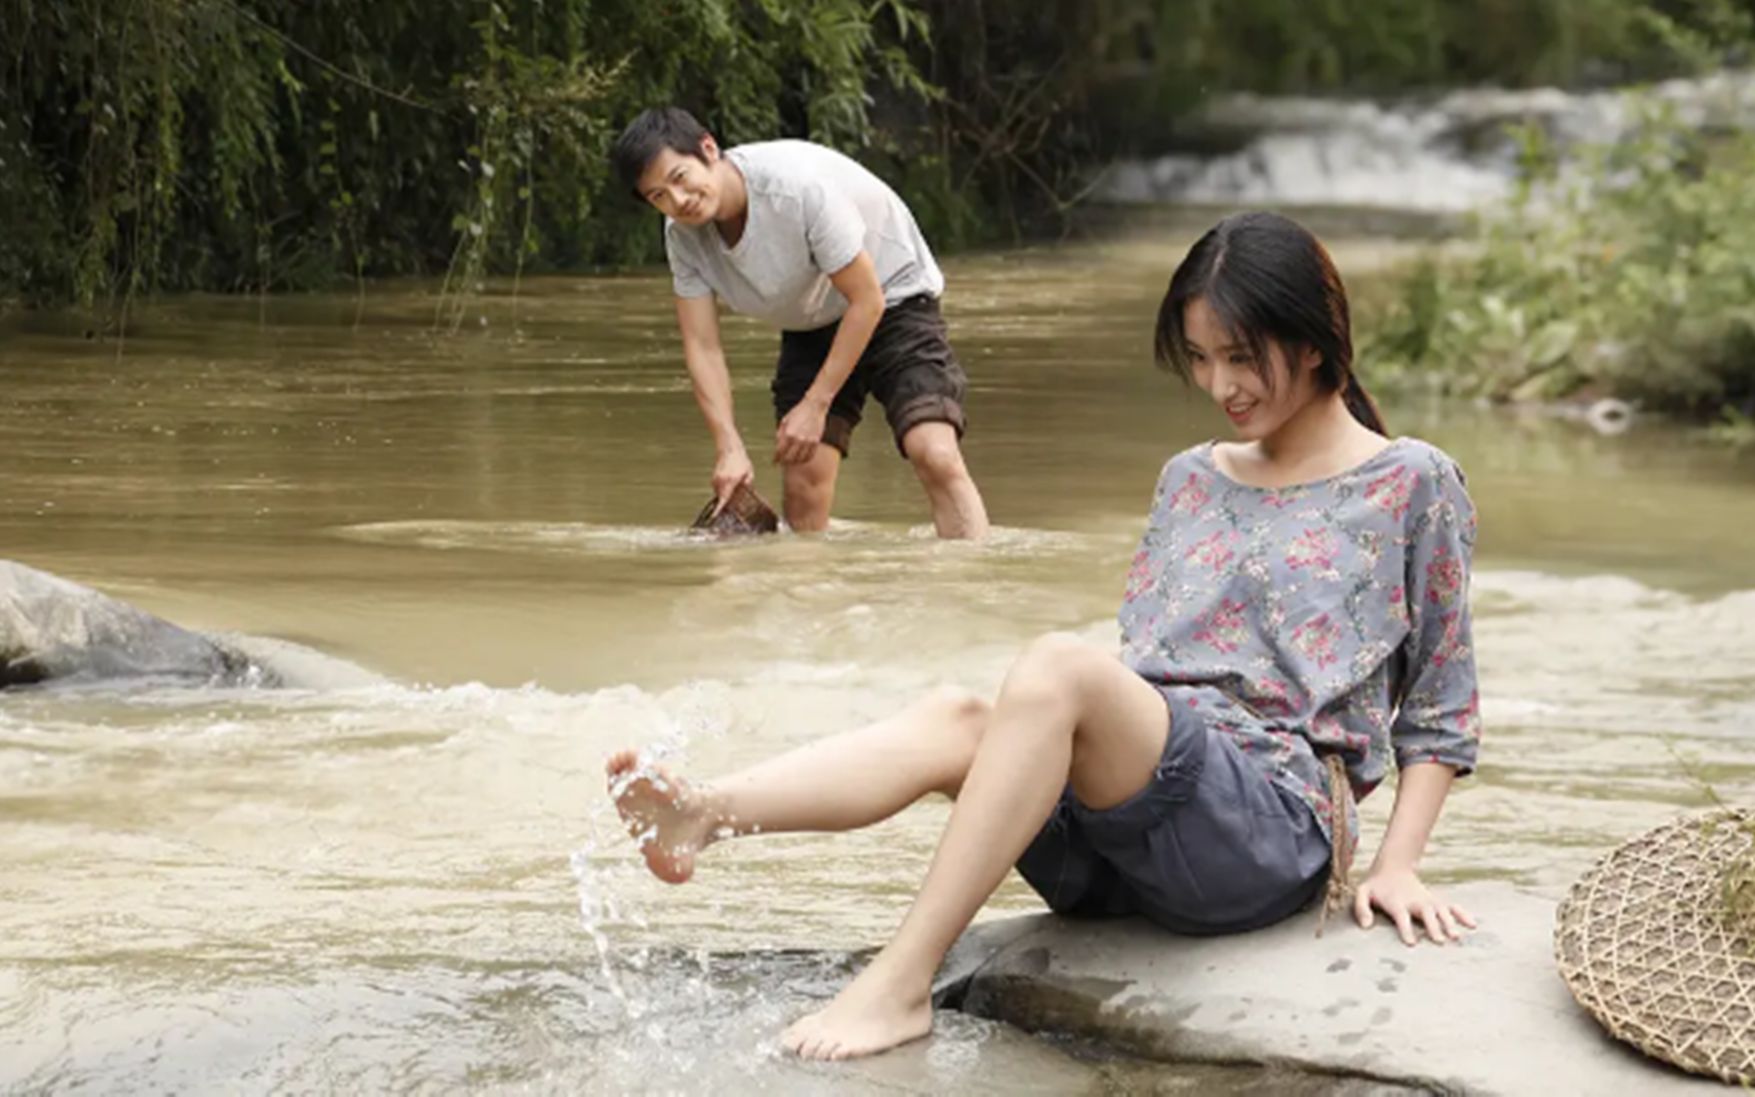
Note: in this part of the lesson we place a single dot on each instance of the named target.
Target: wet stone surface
(1488, 1016)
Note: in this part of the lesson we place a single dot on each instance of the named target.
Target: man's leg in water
(1067, 711)
(808, 490)
(842, 782)
(957, 509)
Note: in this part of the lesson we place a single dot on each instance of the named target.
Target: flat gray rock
(52, 629)
(1487, 1016)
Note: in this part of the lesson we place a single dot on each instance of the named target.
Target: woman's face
(1257, 401)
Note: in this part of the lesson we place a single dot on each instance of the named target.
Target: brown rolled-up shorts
(908, 365)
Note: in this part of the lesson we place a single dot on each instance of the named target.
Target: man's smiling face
(683, 186)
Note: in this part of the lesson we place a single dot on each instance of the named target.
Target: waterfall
(1446, 154)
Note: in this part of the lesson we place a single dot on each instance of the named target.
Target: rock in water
(52, 629)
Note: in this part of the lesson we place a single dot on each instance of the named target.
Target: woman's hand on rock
(1403, 898)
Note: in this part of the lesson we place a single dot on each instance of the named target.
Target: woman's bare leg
(1067, 711)
(842, 782)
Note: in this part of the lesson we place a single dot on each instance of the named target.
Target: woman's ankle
(718, 821)
(907, 973)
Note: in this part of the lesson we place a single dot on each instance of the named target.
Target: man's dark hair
(655, 130)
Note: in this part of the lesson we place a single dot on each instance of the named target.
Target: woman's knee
(1054, 667)
(1060, 654)
(961, 713)
(957, 719)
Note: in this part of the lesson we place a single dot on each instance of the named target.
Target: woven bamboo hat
(1657, 941)
(745, 512)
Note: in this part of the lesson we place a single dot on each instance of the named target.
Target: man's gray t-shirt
(811, 211)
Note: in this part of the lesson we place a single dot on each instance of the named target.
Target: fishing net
(1657, 941)
(745, 512)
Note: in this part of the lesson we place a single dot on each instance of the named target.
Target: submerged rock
(52, 629)
(1487, 1016)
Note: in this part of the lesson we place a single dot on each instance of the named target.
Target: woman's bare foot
(664, 814)
(884, 1007)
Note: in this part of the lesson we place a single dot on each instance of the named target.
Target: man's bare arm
(698, 320)
(797, 437)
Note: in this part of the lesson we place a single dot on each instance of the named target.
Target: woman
(1296, 617)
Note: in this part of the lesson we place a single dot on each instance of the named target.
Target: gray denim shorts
(1211, 845)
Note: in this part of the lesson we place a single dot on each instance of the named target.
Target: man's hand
(1400, 894)
(732, 468)
(801, 431)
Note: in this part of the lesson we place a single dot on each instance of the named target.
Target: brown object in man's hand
(744, 513)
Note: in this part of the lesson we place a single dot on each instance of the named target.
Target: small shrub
(1631, 276)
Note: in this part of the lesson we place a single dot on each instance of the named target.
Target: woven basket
(1650, 942)
(745, 512)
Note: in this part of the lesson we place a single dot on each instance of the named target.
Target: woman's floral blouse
(1330, 616)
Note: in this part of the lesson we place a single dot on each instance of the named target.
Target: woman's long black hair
(1268, 279)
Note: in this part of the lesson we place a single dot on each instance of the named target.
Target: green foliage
(254, 145)
(1734, 428)
(1634, 279)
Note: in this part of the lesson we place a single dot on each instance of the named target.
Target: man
(811, 241)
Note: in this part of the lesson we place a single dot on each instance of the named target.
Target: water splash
(598, 909)
(693, 713)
